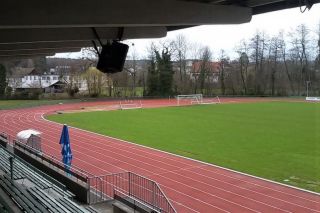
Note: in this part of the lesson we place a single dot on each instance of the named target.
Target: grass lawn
(14, 104)
(277, 140)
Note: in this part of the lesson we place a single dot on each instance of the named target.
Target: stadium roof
(38, 27)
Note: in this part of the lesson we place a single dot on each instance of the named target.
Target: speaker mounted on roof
(113, 54)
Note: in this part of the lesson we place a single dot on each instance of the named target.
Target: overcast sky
(228, 36)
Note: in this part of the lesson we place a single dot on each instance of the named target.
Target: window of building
(55, 78)
(48, 78)
(43, 78)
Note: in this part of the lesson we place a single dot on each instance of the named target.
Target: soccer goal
(130, 104)
(313, 99)
(215, 100)
(189, 99)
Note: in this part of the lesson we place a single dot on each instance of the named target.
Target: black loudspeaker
(112, 57)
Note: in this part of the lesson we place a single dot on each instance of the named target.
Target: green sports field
(276, 140)
(15, 104)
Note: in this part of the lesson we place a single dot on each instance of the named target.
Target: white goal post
(189, 99)
(214, 100)
(130, 104)
(196, 99)
(313, 99)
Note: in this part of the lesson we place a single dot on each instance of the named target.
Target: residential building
(28, 79)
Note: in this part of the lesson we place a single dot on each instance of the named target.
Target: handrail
(120, 193)
(4, 137)
(39, 172)
(141, 188)
(103, 187)
(75, 172)
(171, 206)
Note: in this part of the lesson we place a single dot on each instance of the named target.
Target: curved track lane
(191, 186)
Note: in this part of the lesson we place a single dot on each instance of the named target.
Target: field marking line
(123, 170)
(197, 161)
(134, 144)
(227, 182)
(204, 163)
(204, 192)
(209, 164)
(258, 193)
(208, 193)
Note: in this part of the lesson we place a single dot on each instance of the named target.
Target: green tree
(3, 80)
(160, 72)
(165, 70)
(153, 78)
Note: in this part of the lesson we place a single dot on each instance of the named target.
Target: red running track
(191, 186)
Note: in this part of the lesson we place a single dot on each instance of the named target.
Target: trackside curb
(198, 161)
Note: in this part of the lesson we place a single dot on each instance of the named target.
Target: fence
(101, 188)
(131, 185)
(4, 139)
(77, 173)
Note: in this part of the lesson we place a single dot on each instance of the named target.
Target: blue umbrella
(66, 149)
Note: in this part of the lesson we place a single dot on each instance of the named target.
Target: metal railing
(132, 185)
(53, 162)
(25, 167)
(101, 188)
(4, 137)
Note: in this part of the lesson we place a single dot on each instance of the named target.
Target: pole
(308, 82)
(11, 167)
(129, 183)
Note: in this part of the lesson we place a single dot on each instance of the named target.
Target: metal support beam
(76, 34)
(34, 52)
(4, 58)
(116, 13)
(45, 45)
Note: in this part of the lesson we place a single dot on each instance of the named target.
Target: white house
(29, 79)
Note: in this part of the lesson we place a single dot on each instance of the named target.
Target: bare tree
(242, 51)
(90, 56)
(95, 80)
(224, 61)
(181, 46)
(195, 55)
(205, 67)
(283, 52)
(258, 46)
(300, 45)
(318, 46)
(132, 68)
(274, 54)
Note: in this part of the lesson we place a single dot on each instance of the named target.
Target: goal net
(130, 104)
(313, 99)
(215, 100)
(189, 99)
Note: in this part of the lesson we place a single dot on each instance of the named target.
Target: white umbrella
(31, 138)
(26, 134)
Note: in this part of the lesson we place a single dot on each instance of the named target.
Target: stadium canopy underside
(45, 27)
